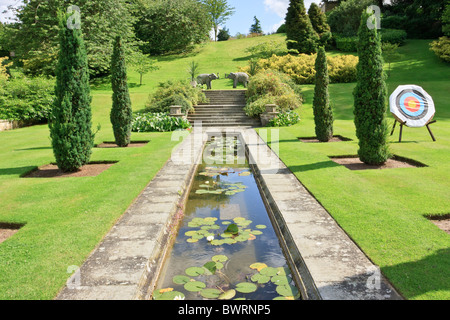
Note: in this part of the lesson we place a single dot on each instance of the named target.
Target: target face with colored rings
(411, 104)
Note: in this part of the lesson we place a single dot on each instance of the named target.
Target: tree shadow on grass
(432, 272)
(314, 166)
(16, 171)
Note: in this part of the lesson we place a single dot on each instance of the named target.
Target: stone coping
(126, 264)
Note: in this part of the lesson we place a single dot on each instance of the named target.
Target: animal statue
(206, 79)
(238, 77)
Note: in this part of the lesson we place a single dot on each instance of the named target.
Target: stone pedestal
(175, 111)
(271, 113)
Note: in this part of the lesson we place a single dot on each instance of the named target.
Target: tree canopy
(219, 11)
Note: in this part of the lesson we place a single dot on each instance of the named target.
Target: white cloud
(279, 7)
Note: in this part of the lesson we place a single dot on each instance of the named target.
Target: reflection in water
(206, 261)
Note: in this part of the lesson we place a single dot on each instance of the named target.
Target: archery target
(411, 104)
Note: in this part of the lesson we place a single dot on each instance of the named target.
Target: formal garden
(92, 125)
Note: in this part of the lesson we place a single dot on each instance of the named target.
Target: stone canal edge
(126, 264)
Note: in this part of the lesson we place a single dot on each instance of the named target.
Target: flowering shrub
(272, 87)
(301, 68)
(285, 119)
(158, 122)
(441, 48)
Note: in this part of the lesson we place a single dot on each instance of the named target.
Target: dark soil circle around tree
(315, 140)
(353, 163)
(52, 171)
(133, 144)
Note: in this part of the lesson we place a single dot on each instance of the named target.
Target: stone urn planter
(271, 113)
(175, 111)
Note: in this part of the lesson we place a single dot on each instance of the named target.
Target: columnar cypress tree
(121, 112)
(323, 114)
(299, 29)
(70, 121)
(319, 23)
(371, 97)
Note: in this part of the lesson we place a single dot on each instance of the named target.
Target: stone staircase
(225, 109)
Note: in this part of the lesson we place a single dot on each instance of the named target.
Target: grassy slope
(383, 211)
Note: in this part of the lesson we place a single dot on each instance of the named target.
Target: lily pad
(192, 240)
(260, 278)
(232, 229)
(261, 226)
(190, 233)
(269, 271)
(210, 266)
(194, 271)
(210, 293)
(287, 290)
(219, 258)
(245, 174)
(256, 232)
(227, 295)
(181, 279)
(246, 287)
(172, 295)
(258, 266)
(194, 286)
(280, 280)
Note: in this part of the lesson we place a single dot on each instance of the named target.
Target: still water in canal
(226, 247)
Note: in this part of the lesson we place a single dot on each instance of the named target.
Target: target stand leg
(401, 131)
(429, 130)
(393, 128)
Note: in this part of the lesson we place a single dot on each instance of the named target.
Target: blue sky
(271, 13)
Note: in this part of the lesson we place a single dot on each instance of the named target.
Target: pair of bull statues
(237, 77)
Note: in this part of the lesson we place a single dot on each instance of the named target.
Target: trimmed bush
(441, 48)
(323, 115)
(346, 44)
(393, 36)
(341, 69)
(272, 87)
(158, 122)
(121, 112)
(27, 99)
(179, 93)
(371, 98)
(70, 121)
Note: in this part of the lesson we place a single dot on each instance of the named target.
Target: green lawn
(383, 211)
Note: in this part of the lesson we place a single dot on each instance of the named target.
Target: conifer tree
(299, 30)
(319, 23)
(323, 114)
(70, 120)
(371, 97)
(121, 112)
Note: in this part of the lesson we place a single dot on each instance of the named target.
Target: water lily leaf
(225, 223)
(192, 240)
(219, 258)
(210, 266)
(172, 295)
(256, 232)
(287, 290)
(251, 237)
(210, 293)
(245, 173)
(260, 278)
(219, 265)
(226, 235)
(213, 219)
(190, 233)
(280, 280)
(198, 236)
(239, 219)
(194, 286)
(232, 229)
(258, 266)
(246, 287)
(269, 271)
(261, 226)
(194, 271)
(229, 241)
(230, 193)
(216, 242)
(180, 279)
(201, 191)
(241, 238)
(227, 295)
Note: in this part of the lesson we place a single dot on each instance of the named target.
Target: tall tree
(323, 114)
(172, 25)
(319, 23)
(70, 119)
(36, 40)
(299, 31)
(256, 26)
(220, 12)
(371, 97)
(121, 112)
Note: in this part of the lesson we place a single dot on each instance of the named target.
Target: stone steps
(224, 109)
